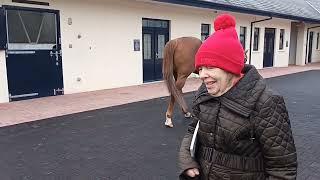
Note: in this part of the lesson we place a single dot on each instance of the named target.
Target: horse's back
(184, 55)
(188, 45)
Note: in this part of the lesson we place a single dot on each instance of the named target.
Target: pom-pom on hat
(223, 48)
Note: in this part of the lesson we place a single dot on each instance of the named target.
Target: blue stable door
(33, 53)
(154, 40)
(268, 52)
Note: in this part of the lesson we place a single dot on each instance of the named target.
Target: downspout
(251, 26)
(307, 44)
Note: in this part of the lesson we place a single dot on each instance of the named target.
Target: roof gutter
(218, 6)
(251, 26)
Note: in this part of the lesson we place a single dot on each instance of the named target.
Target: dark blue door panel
(33, 53)
(148, 55)
(33, 74)
(155, 36)
(161, 38)
(148, 70)
(158, 70)
(268, 53)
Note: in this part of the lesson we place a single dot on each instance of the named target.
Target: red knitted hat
(223, 48)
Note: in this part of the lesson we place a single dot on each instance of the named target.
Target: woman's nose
(203, 74)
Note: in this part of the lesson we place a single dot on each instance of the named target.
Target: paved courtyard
(130, 142)
(301, 92)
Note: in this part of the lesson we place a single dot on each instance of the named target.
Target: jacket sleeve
(275, 137)
(185, 160)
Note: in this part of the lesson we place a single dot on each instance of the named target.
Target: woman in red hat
(244, 130)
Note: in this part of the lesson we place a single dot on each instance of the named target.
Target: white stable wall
(97, 48)
(281, 57)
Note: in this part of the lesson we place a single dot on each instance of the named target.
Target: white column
(4, 94)
(301, 45)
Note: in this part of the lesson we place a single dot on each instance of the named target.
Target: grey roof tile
(315, 4)
(298, 8)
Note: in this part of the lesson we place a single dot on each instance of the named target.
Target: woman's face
(216, 80)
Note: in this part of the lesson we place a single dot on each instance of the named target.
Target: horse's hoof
(187, 115)
(169, 125)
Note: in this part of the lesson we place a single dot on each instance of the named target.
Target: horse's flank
(178, 64)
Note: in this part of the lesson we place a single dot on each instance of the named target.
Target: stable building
(50, 48)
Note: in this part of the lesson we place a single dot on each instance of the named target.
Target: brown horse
(178, 64)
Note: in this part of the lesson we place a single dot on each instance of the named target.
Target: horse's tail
(167, 70)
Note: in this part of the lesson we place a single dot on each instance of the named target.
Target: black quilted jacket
(243, 135)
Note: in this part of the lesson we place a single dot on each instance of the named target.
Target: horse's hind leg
(168, 122)
(180, 84)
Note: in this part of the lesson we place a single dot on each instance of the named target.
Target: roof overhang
(218, 6)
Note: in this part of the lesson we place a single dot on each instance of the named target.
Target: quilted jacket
(243, 135)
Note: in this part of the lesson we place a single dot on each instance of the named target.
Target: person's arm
(184, 158)
(275, 136)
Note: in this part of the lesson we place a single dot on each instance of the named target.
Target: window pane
(161, 44)
(281, 39)
(205, 31)
(16, 31)
(164, 24)
(205, 28)
(157, 24)
(242, 41)
(32, 22)
(203, 37)
(256, 39)
(147, 46)
(31, 30)
(243, 30)
(48, 31)
(243, 36)
(144, 23)
(154, 23)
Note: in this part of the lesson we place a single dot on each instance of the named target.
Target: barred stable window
(243, 32)
(281, 39)
(318, 41)
(31, 30)
(205, 31)
(256, 39)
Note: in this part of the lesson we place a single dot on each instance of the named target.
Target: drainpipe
(307, 44)
(251, 35)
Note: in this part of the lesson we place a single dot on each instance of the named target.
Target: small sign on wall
(136, 44)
